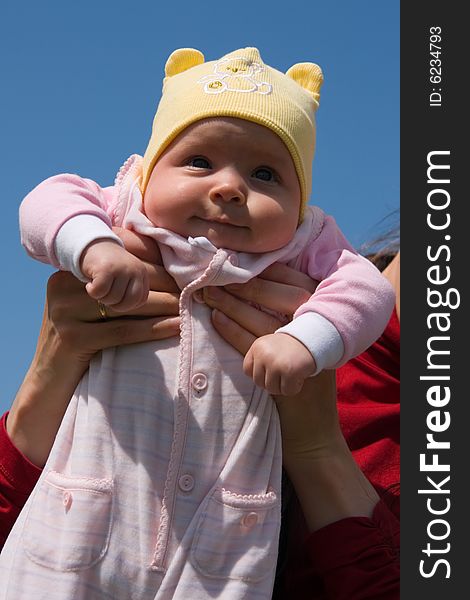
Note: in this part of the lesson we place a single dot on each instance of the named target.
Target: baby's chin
(232, 237)
(249, 246)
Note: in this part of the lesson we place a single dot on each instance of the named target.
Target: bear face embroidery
(235, 75)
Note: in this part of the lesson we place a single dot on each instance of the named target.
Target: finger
(158, 304)
(118, 332)
(232, 332)
(264, 379)
(139, 245)
(248, 317)
(258, 375)
(72, 305)
(144, 289)
(117, 292)
(284, 274)
(276, 296)
(100, 287)
(289, 387)
(84, 308)
(248, 364)
(159, 279)
(133, 297)
(136, 293)
(68, 302)
(272, 381)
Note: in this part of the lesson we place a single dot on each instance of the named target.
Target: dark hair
(382, 249)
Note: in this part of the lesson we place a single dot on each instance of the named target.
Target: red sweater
(357, 558)
(18, 476)
(352, 559)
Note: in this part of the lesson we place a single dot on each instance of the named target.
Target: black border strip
(434, 124)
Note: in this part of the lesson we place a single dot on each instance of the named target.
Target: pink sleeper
(164, 480)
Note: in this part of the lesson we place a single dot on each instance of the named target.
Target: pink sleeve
(53, 202)
(353, 295)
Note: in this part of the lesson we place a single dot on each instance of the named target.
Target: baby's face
(229, 180)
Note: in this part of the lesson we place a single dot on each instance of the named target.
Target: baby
(165, 476)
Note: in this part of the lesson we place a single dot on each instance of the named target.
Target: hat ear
(309, 76)
(182, 60)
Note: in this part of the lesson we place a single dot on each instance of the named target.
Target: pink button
(198, 297)
(199, 381)
(250, 520)
(233, 260)
(186, 483)
(67, 500)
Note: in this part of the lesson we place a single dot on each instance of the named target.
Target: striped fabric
(156, 487)
(164, 479)
(165, 476)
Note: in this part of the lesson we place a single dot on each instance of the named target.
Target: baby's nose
(229, 189)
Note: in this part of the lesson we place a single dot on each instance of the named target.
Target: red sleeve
(358, 558)
(18, 476)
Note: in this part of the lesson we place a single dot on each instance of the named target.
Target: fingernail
(176, 322)
(173, 322)
(220, 317)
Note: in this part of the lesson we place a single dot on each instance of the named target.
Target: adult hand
(327, 481)
(73, 329)
(71, 333)
(309, 420)
(74, 319)
(279, 288)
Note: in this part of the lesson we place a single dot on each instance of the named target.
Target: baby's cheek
(280, 223)
(162, 214)
(275, 234)
(152, 211)
(148, 202)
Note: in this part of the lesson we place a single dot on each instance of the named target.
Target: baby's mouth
(222, 219)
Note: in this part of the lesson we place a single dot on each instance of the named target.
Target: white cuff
(74, 236)
(319, 336)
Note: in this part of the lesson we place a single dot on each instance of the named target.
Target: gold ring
(102, 309)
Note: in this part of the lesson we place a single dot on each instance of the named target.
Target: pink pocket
(69, 522)
(237, 536)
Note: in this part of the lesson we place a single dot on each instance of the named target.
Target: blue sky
(80, 82)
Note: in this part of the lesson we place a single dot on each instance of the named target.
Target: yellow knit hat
(239, 85)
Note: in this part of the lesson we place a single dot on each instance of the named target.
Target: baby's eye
(265, 174)
(199, 162)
